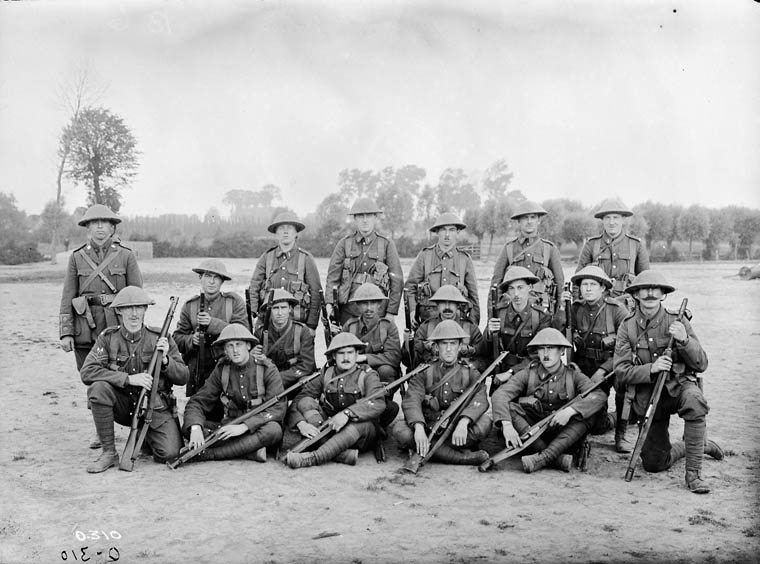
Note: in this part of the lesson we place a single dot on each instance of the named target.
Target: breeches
(476, 432)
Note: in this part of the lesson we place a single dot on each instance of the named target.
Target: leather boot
(450, 455)
(534, 462)
(104, 462)
(259, 455)
(563, 462)
(349, 456)
(694, 441)
(713, 449)
(102, 416)
(695, 483)
(300, 460)
(95, 443)
(342, 440)
(622, 444)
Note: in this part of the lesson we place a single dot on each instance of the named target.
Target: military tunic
(383, 346)
(293, 362)
(85, 319)
(621, 258)
(434, 268)
(510, 322)
(354, 262)
(296, 272)
(473, 348)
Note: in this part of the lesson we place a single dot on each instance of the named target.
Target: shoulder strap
(569, 382)
(631, 254)
(301, 265)
(462, 266)
(228, 308)
(97, 270)
(510, 253)
(195, 307)
(596, 253)
(296, 339)
(428, 261)
(225, 378)
(534, 319)
(383, 332)
(610, 321)
(269, 264)
(361, 382)
(547, 253)
(113, 346)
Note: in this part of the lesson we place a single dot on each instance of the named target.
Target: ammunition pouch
(381, 276)
(346, 282)
(532, 407)
(431, 402)
(84, 322)
(300, 291)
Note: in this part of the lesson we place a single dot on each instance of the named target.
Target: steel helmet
(517, 273)
(446, 330)
(527, 207)
(448, 293)
(281, 295)
(99, 211)
(448, 218)
(132, 296)
(214, 266)
(612, 205)
(594, 273)
(286, 217)
(367, 292)
(549, 337)
(364, 205)
(235, 332)
(343, 340)
(650, 279)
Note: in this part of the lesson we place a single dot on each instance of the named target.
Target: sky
(643, 100)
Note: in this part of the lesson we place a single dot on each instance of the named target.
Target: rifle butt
(412, 464)
(126, 463)
(174, 464)
(629, 473)
(486, 466)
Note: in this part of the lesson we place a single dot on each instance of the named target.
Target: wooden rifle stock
(201, 347)
(654, 399)
(213, 438)
(325, 429)
(569, 323)
(443, 428)
(408, 334)
(335, 308)
(492, 315)
(325, 318)
(137, 432)
(249, 309)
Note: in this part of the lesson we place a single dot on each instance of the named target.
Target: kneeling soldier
(240, 382)
(641, 342)
(433, 390)
(537, 391)
(114, 372)
(334, 394)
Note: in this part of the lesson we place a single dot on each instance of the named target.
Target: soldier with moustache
(439, 265)
(529, 250)
(220, 310)
(448, 301)
(433, 390)
(115, 370)
(290, 267)
(240, 382)
(543, 388)
(641, 341)
(360, 257)
(335, 394)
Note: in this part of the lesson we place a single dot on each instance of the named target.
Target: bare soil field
(243, 511)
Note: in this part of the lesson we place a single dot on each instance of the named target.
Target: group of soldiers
(234, 354)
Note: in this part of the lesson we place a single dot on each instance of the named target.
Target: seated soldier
(383, 346)
(115, 370)
(539, 390)
(335, 394)
(512, 309)
(433, 390)
(290, 343)
(447, 299)
(240, 382)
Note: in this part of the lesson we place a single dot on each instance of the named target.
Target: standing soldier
(619, 255)
(290, 344)
(364, 256)
(240, 386)
(200, 327)
(595, 321)
(115, 370)
(289, 267)
(96, 272)
(515, 312)
(335, 394)
(433, 390)
(447, 300)
(538, 255)
(542, 388)
(641, 341)
(439, 265)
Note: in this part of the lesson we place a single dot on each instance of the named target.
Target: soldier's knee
(387, 373)
(270, 433)
(655, 460)
(101, 393)
(482, 427)
(306, 405)
(693, 405)
(403, 434)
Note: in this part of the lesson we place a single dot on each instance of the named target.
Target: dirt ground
(243, 511)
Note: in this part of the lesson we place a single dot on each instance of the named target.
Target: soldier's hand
(664, 363)
(421, 440)
(511, 436)
(334, 329)
(494, 325)
(678, 330)
(361, 357)
(203, 318)
(258, 350)
(196, 339)
(67, 343)
(143, 379)
(163, 345)
(338, 421)
(428, 345)
(390, 317)
(229, 431)
(563, 416)
(196, 436)
(459, 436)
(566, 296)
(504, 376)
(307, 429)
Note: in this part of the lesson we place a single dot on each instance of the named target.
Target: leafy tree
(102, 154)
(577, 226)
(332, 212)
(55, 221)
(455, 192)
(721, 227)
(557, 209)
(496, 180)
(212, 216)
(396, 191)
(16, 243)
(426, 204)
(746, 225)
(660, 220)
(493, 219)
(355, 183)
(474, 225)
(693, 223)
(268, 194)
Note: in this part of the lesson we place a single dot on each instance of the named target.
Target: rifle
(335, 317)
(325, 318)
(569, 322)
(511, 341)
(143, 411)
(492, 315)
(654, 399)
(443, 427)
(532, 434)
(249, 310)
(196, 384)
(408, 339)
(325, 429)
(213, 438)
